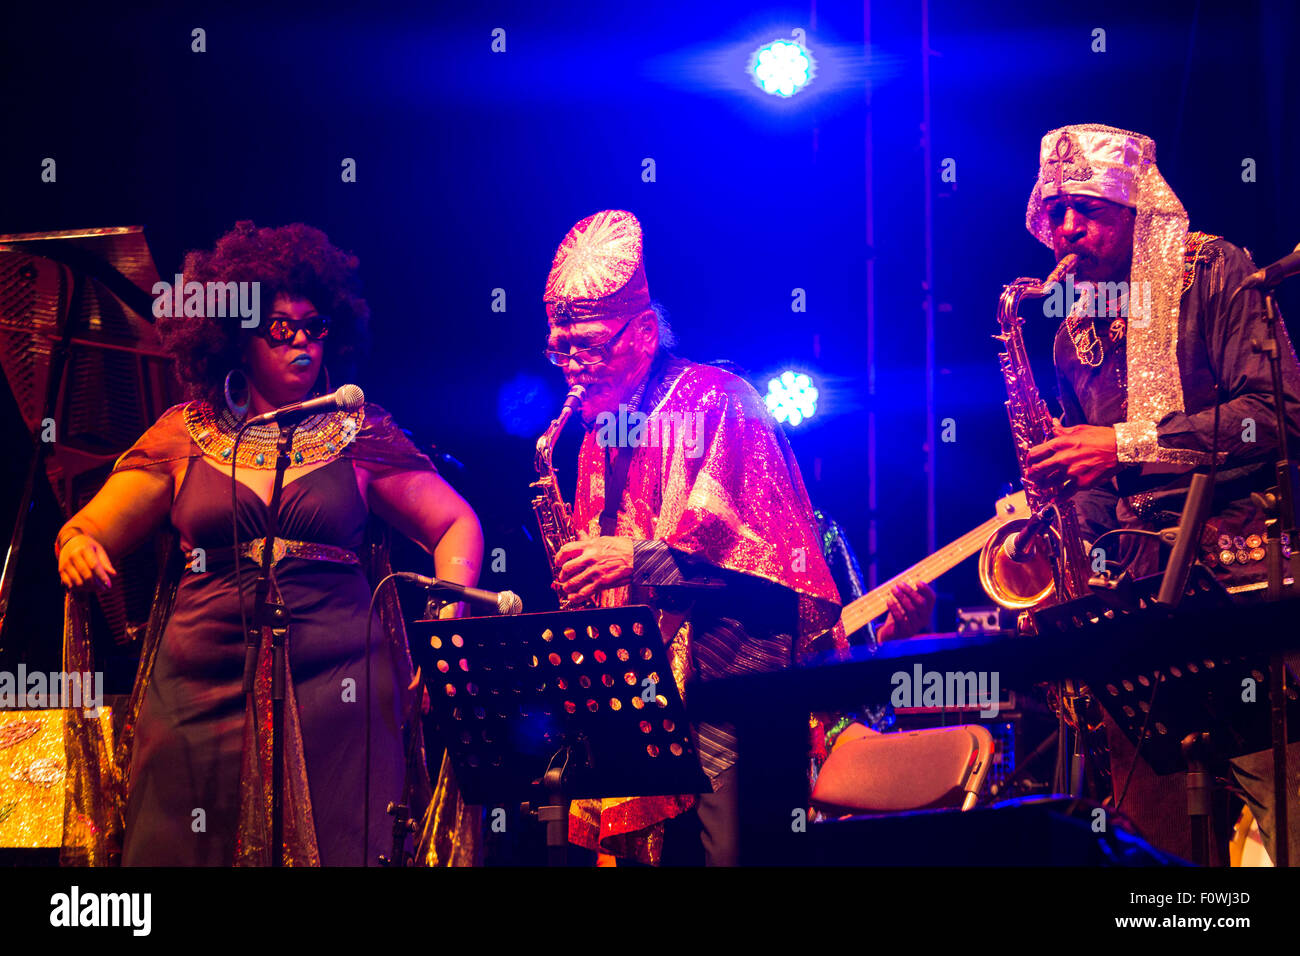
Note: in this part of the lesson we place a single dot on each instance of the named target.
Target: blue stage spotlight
(782, 68)
(791, 397)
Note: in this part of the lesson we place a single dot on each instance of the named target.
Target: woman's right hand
(83, 563)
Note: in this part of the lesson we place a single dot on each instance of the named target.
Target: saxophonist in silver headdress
(1146, 347)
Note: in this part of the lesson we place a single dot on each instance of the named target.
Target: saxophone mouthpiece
(1067, 265)
(572, 402)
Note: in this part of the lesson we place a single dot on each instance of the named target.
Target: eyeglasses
(281, 331)
(589, 355)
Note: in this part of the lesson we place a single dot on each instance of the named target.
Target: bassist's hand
(910, 606)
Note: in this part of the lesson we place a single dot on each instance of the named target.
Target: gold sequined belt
(282, 548)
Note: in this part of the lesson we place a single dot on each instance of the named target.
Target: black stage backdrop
(471, 165)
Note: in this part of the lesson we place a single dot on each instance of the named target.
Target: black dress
(184, 799)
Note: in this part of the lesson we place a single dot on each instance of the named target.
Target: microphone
(505, 602)
(348, 398)
(1272, 275)
(1019, 546)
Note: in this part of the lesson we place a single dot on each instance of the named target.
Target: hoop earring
(239, 411)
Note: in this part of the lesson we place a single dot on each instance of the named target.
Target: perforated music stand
(1187, 713)
(1197, 693)
(581, 702)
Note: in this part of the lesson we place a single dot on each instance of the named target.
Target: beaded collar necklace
(318, 438)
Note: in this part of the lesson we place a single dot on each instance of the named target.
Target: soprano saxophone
(554, 519)
(1056, 570)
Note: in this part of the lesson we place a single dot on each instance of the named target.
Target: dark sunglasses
(281, 331)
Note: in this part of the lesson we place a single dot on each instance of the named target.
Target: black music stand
(580, 702)
(1188, 714)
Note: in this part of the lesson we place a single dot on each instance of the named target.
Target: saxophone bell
(1017, 582)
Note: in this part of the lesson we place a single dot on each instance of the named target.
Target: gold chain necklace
(1083, 334)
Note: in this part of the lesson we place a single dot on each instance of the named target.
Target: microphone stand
(1279, 502)
(404, 824)
(1279, 506)
(269, 612)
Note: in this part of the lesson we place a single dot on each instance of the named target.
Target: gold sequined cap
(598, 270)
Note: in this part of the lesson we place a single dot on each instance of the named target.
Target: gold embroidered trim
(1138, 442)
(1192, 256)
(1135, 441)
(282, 548)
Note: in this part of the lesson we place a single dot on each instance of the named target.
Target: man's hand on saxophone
(593, 564)
(1086, 453)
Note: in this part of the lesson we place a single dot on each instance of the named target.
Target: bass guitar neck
(872, 605)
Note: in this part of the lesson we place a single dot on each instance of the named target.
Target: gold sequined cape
(726, 488)
(97, 779)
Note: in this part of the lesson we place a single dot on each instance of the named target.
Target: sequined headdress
(1118, 165)
(598, 270)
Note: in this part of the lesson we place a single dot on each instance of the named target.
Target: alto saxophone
(1056, 569)
(554, 519)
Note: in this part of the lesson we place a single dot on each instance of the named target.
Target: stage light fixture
(782, 68)
(791, 397)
